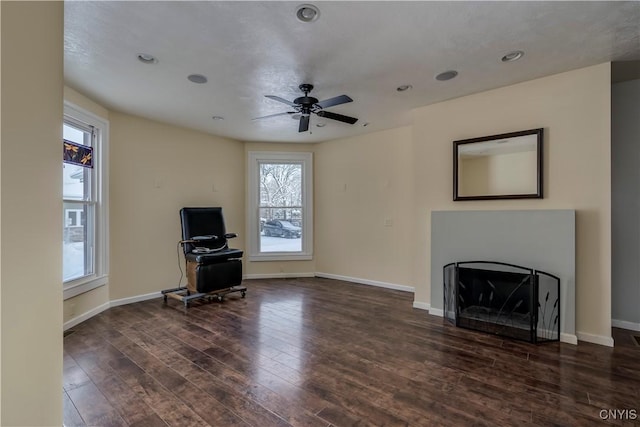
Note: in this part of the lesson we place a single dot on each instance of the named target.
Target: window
(84, 203)
(280, 217)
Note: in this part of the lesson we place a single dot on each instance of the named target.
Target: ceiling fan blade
(304, 123)
(342, 99)
(338, 117)
(274, 115)
(277, 98)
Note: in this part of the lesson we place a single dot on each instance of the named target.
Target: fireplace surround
(503, 299)
(541, 239)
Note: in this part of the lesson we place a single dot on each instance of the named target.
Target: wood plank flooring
(320, 352)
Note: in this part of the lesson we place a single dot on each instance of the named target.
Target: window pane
(77, 249)
(281, 229)
(280, 207)
(75, 182)
(78, 217)
(280, 184)
(73, 134)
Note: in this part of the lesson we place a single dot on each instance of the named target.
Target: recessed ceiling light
(447, 75)
(217, 118)
(403, 88)
(321, 125)
(307, 13)
(513, 56)
(197, 78)
(147, 58)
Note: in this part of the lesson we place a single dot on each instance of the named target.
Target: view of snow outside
(73, 260)
(281, 207)
(279, 244)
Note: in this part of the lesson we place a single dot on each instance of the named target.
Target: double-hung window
(84, 203)
(280, 214)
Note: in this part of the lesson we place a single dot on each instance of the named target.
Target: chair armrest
(230, 235)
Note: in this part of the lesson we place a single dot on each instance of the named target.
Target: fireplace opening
(503, 299)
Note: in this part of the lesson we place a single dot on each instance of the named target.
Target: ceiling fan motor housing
(306, 102)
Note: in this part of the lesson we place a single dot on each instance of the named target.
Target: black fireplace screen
(503, 299)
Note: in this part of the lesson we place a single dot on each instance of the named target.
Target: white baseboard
(595, 339)
(376, 283)
(89, 314)
(436, 312)
(568, 338)
(131, 300)
(85, 316)
(623, 324)
(277, 276)
(421, 305)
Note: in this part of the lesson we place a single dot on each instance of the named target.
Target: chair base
(186, 296)
(207, 278)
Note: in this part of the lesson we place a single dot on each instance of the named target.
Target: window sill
(80, 286)
(279, 256)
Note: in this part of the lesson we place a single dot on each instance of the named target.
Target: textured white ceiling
(362, 49)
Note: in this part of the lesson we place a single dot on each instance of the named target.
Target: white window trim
(100, 277)
(253, 204)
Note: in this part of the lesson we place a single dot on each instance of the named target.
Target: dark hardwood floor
(319, 352)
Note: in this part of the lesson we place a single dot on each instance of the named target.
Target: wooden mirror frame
(537, 194)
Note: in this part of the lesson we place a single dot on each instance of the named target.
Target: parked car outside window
(281, 228)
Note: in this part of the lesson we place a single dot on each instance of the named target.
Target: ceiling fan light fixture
(307, 13)
(513, 56)
(146, 58)
(197, 78)
(447, 75)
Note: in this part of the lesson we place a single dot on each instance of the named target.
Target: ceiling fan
(305, 105)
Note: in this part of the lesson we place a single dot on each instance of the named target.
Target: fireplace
(503, 299)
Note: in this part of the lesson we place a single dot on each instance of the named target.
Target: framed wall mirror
(505, 166)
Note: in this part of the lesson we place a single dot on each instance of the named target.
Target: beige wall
(574, 110)
(513, 173)
(498, 174)
(363, 207)
(0, 224)
(85, 304)
(31, 200)
(473, 176)
(156, 169)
